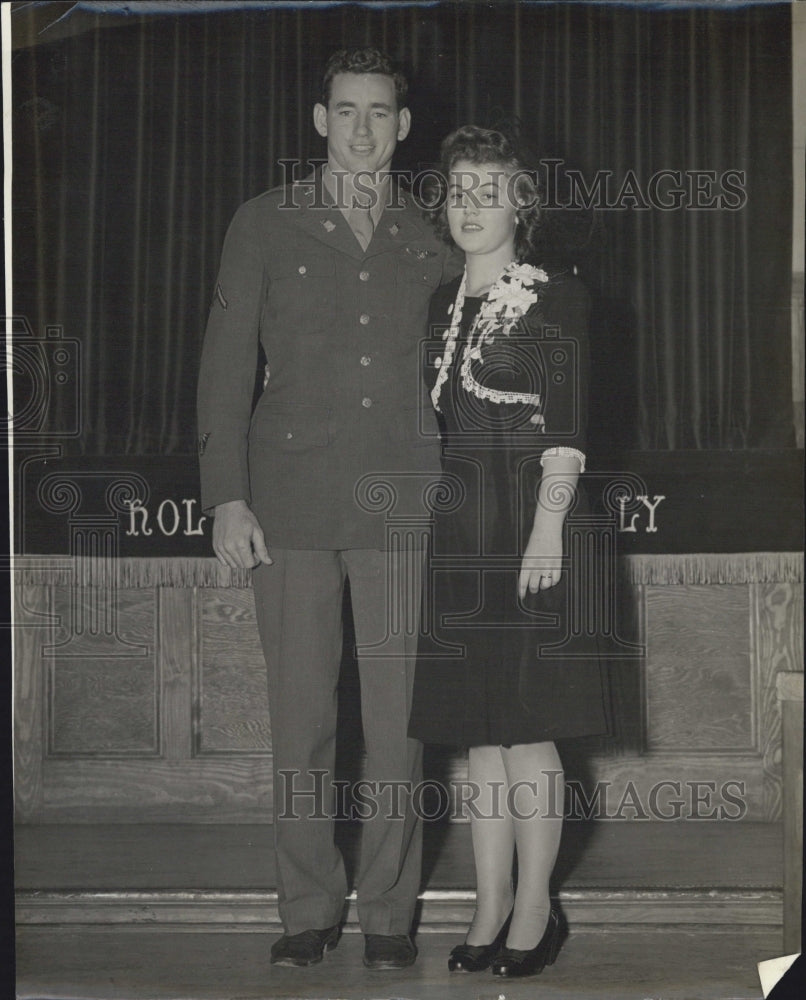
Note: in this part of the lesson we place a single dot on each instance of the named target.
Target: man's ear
(320, 119)
(403, 124)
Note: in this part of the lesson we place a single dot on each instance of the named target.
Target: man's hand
(541, 567)
(237, 537)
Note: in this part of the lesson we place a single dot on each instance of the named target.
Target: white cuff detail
(565, 452)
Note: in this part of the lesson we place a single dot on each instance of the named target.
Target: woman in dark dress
(499, 670)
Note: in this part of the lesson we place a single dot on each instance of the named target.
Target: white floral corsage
(513, 293)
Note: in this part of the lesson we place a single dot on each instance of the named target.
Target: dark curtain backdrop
(136, 138)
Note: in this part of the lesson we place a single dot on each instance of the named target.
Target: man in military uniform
(333, 275)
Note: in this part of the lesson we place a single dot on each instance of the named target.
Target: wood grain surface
(220, 790)
(777, 647)
(790, 694)
(32, 627)
(607, 874)
(166, 717)
(232, 690)
(698, 678)
(102, 679)
(177, 653)
(193, 857)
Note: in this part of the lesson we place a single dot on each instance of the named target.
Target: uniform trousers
(299, 611)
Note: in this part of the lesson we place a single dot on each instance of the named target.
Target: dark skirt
(492, 670)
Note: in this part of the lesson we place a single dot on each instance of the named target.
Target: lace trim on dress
(485, 392)
(510, 298)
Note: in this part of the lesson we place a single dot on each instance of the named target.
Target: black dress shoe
(477, 957)
(389, 951)
(513, 963)
(306, 948)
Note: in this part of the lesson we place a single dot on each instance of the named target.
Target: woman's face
(480, 209)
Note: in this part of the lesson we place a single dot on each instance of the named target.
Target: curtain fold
(134, 145)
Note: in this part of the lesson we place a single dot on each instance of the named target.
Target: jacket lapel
(317, 215)
(400, 227)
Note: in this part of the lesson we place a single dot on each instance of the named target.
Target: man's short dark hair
(366, 60)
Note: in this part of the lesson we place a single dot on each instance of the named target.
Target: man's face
(362, 122)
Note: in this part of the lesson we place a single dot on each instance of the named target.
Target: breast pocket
(302, 286)
(418, 275)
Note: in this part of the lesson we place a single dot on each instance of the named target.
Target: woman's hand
(541, 567)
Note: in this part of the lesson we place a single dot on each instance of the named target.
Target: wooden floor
(152, 964)
(146, 912)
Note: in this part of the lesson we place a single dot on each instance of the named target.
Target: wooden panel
(777, 647)
(103, 690)
(31, 621)
(222, 875)
(232, 689)
(790, 693)
(698, 678)
(711, 707)
(177, 651)
(189, 857)
(230, 790)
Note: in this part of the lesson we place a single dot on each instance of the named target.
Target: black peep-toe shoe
(477, 957)
(512, 963)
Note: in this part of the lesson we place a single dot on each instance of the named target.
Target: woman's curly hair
(553, 233)
(484, 146)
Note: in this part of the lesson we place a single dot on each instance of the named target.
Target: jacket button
(366, 402)
(289, 436)
(366, 360)
(363, 319)
(364, 276)
(302, 269)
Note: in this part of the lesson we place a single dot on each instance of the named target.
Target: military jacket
(342, 445)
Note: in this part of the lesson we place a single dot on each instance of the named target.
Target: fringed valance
(706, 567)
(131, 572)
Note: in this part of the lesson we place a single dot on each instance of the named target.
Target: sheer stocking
(537, 822)
(493, 834)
